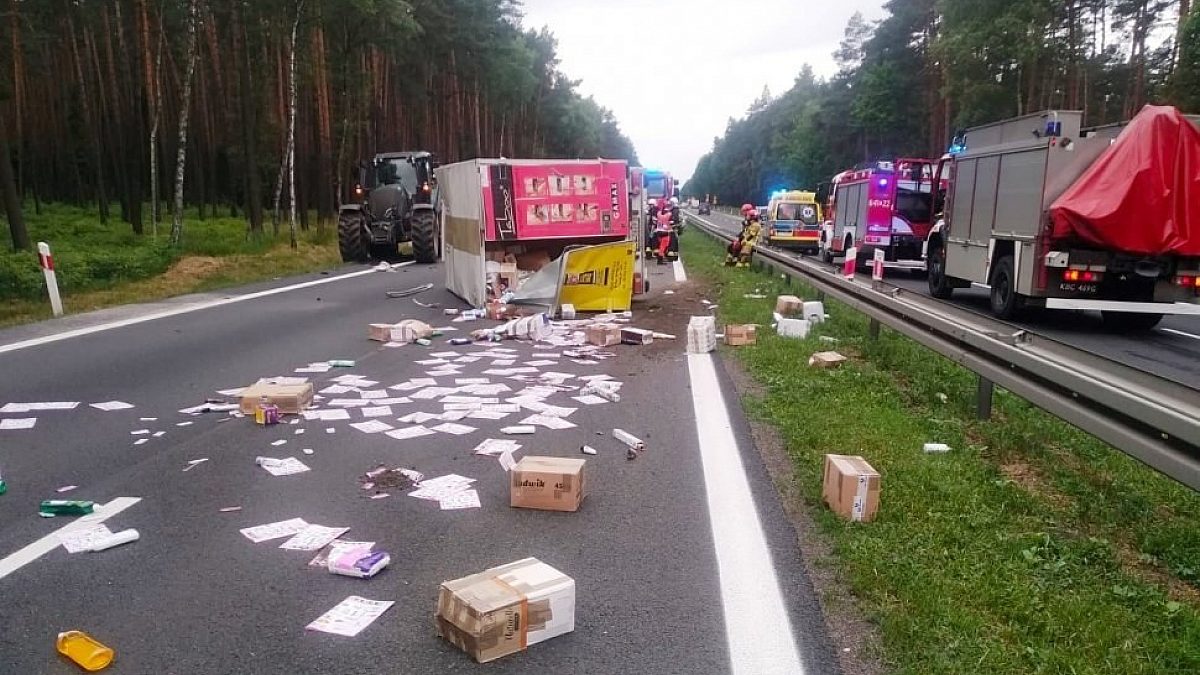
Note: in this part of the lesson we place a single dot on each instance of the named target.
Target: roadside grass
(1030, 548)
(106, 265)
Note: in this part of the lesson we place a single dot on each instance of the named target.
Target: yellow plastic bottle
(84, 650)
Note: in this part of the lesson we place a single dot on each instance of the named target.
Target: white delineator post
(851, 264)
(877, 265)
(46, 260)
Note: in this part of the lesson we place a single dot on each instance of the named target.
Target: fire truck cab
(887, 206)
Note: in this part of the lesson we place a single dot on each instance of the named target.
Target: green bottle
(3, 487)
(65, 507)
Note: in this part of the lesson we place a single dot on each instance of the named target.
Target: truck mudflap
(1172, 308)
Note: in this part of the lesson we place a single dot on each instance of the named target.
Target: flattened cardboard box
(788, 305)
(604, 334)
(380, 332)
(826, 360)
(851, 487)
(289, 398)
(739, 335)
(548, 483)
(505, 609)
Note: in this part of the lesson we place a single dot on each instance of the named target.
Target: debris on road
(851, 487)
(548, 483)
(350, 616)
(65, 507)
(283, 528)
(520, 430)
(66, 488)
(506, 609)
(291, 395)
(109, 406)
(13, 423)
(407, 292)
(933, 448)
(636, 336)
(636, 445)
(229, 509)
(826, 360)
(313, 538)
(357, 563)
(702, 335)
(193, 463)
(383, 477)
(84, 650)
(281, 467)
(115, 539)
(322, 558)
(603, 334)
(587, 450)
(80, 540)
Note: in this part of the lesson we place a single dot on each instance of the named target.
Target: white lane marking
(680, 273)
(757, 626)
(78, 332)
(51, 541)
(1179, 332)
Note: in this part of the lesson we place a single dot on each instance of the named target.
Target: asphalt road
(195, 596)
(1171, 351)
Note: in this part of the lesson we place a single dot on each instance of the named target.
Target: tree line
(930, 68)
(263, 107)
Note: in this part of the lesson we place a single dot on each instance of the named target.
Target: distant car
(704, 209)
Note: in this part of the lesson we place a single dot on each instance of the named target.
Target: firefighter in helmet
(741, 250)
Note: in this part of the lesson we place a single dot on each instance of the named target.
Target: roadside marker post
(877, 265)
(46, 260)
(851, 264)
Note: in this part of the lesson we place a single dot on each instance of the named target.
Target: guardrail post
(983, 399)
(873, 329)
(820, 296)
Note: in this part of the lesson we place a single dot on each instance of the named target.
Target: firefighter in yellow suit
(741, 251)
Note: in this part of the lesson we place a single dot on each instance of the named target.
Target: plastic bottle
(116, 539)
(3, 487)
(84, 650)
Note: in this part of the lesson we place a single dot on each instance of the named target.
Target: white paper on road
(339, 545)
(377, 411)
(541, 363)
(548, 421)
(20, 423)
(431, 393)
(590, 399)
(472, 380)
(456, 429)
(486, 415)
(330, 415)
(467, 359)
(437, 489)
(431, 362)
(350, 616)
(419, 418)
(503, 362)
(470, 399)
(496, 446)
(371, 426)
(349, 402)
(76, 541)
(585, 362)
(485, 389)
(140, 441)
(184, 424)
(416, 383)
(32, 407)
(445, 355)
(505, 408)
(315, 368)
(336, 389)
(283, 528)
(313, 537)
(467, 499)
(237, 391)
(112, 405)
(444, 373)
(506, 461)
(410, 432)
(591, 378)
(284, 467)
(498, 372)
(394, 400)
(279, 442)
(454, 415)
(557, 411)
(373, 393)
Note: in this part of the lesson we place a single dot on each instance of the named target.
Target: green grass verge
(1030, 548)
(103, 265)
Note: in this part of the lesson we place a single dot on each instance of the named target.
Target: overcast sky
(675, 71)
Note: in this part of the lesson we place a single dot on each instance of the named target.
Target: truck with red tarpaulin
(1047, 214)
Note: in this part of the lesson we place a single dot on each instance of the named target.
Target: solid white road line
(1179, 332)
(78, 332)
(51, 541)
(757, 626)
(680, 273)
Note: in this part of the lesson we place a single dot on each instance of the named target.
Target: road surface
(681, 564)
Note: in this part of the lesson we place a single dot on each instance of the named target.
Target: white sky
(675, 71)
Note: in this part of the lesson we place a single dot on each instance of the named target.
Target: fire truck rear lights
(1188, 281)
(1082, 276)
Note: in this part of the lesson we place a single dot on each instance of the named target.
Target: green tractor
(395, 200)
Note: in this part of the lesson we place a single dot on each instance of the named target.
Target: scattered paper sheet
(373, 393)
(141, 441)
(436, 489)
(349, 402)
(467, 359)
(193, 463)
(328, 415)
(350, 616)
(237, 391)
(66, 488)
(419, 418)
(445, 355)
(456, 429)
(416, 383)
(279, 442)
(432, 393)
(377, 411)
(431, 362)
(394, 400)
(454, 415)
(548, 421)
(184, 424)
(503, 362)
(76, 541)
(472, 380)
(283, 528)
(283, 467)
(590, 399)
(112, 405)
(591, 378)
(22, 423)
(31, 407)
(322, 558)
(313, 537)
(506, 461)
(336, 389)
(496, 447)
(467, 499)
(371, 426)
(541, 363)
(486, 415)
(410, 432)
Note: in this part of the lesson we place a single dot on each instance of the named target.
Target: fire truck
(659, 185)
(886, 206)
(1046, 214)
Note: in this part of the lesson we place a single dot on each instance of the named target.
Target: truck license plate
(1078, 289)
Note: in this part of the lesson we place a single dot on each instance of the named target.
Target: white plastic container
(814, 312)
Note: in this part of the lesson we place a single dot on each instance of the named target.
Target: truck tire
(1129, 322)
(1005, 301)
(424, 237)
(940, 286)
(351, 243)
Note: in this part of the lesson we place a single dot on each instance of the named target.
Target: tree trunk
(157, 103)
(324, 130)
(249, 124)
(291, 134)
(90, 122)
(185, 104)
(12, 201)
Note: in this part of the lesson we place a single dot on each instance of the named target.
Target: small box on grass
(826, 360)
(548, 483)
(851, 487)
(789, 305)
(740, 335)
(505, 609)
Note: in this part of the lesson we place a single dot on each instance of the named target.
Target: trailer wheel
(1129, 322)
(1006, 303)
(939, 285)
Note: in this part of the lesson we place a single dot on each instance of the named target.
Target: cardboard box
(851, 487)
(789, 305)
(603, 334)
(739, 335)
(380, 332)
(826, 360)
(505, 609)
(548, 483)
(637, 336)
(289, 398)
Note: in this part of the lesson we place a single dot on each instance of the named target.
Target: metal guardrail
(1151, 419)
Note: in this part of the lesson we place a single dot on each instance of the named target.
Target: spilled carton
(506, 609)
(827, 360)
(851, 487)
(740, 335)
(548, 483)
(289, 398)
(603, 334)
(789, 305)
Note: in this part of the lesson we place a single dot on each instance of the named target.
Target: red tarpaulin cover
(1142, 195)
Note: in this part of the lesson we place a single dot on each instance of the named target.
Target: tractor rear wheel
(351, 242)
(424, 237)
